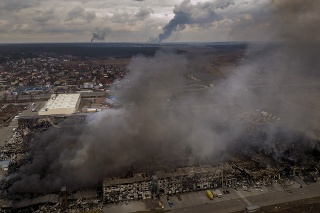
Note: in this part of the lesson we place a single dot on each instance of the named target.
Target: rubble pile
(80, 201)
(258, 170)
(253, 161)
(13, 147)
(80, 205)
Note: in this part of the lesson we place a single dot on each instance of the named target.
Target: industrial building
(180, 180)
(62, 104)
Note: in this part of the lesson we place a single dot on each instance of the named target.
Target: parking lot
(200, 197)
(190, 200)
(237, 199)
(7, 131)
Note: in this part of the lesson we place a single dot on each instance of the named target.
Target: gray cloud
(245, 20)
(45, 16)
(143, 13)
(16, 5)
(80, 13)
(140, 22)
(126, 17)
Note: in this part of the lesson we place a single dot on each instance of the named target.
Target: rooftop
(63, 101)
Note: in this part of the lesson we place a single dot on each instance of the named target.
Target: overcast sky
(130, 20)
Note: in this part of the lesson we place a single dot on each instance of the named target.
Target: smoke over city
(156, 122)
(192, 14)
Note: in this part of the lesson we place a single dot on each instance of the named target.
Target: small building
(63, 104)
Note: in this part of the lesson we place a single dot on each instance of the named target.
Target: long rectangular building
(63, 104)
(180, 180)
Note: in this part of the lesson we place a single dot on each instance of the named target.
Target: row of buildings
(180, 180)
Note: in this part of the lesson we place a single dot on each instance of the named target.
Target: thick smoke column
(188, 14)
(112, 141)
(183, 130)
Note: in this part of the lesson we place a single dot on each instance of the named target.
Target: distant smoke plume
(99, 35)
(163, 117)
(192, 14)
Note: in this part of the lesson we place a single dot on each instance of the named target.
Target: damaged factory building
(181, 180)
(255, 171)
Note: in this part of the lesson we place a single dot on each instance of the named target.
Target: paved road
(7, 132)
(220, 207)
(281, 197)
(239, 204)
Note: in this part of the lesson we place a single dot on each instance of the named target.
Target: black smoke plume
(192, 14)
(99, 35)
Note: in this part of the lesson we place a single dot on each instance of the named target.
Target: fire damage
(249, 164)
(18, 150)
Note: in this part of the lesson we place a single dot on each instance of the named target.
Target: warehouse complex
(61, 104)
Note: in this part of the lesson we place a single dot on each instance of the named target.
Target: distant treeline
(17, 51)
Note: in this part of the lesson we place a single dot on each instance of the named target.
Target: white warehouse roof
(62, 104)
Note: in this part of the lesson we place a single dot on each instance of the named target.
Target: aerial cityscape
(159, 106)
